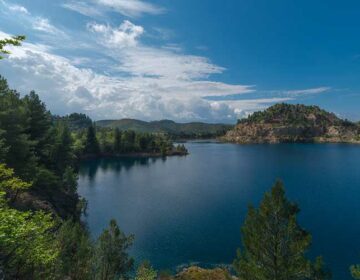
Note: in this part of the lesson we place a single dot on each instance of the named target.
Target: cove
(190, 209)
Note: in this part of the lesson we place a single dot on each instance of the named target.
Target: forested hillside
(284, 123)
(174, 130)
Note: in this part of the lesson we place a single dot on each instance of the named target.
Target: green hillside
(298, 114)
(289, 123)
(177, 130)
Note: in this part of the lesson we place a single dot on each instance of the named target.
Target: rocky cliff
(285, 123)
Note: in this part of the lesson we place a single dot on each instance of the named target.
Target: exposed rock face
(284, 123)
(58, 203)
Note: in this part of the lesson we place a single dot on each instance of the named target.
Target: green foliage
(355, 271)
(181, 148)
(75, 121)
(70, 179)
(14, 125)
(39, 124)
(14, 41)
(318, 271)
(111, 257)
(91, 144)
(26, 242)
(197, 273)
(75, 251)
(117, 141)
(274, 245)
(106, 141)
(298, 115)
(30, 249)
(9, 184)
(62, 154)
(146, 272)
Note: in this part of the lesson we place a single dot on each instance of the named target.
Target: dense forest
(91, 139)
(297, 114)
(41, 233)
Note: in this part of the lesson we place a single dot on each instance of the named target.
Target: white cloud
(308, 91)
(83, 8)
(44, 25)
(244, 107)
(67, 88)
(130, 8)
(20, 16)
(18, 8)
(124, 36)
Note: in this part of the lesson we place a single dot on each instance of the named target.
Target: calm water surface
(190, 209)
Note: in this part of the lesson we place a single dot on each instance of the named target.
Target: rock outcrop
(285, 123)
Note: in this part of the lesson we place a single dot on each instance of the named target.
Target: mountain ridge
(175, 129)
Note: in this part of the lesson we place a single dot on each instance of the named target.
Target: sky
(185, 60)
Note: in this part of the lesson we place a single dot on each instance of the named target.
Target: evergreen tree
(117, 141)
(141, 142)
(105, 141)
(14, 125)
(274, 244)
(3, 148)
(70, 179)
(39, 124)
(62, 153)
(128, 140)
(145, 272)
(76, 249)
(91, 142)
(111, 258)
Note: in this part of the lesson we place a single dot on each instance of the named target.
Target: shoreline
(134, 155)
(314, 141)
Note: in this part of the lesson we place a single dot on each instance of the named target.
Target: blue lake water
(190, 209)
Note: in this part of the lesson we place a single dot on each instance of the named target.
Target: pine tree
(117, 141)
(62, 154)
(274, 244)
(3, 148)
(14, 125)
(111, 258)
(76, 249)
(128, 141)
(91, 143)
(39, 124)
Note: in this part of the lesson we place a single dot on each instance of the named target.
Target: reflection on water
(90, 168)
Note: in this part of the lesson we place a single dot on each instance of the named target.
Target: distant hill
(177, 130)
(294, 123)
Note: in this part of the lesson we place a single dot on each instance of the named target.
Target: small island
(287, 123)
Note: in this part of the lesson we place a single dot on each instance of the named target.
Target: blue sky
(186, 60)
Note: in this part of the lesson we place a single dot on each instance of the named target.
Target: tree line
(97, 141)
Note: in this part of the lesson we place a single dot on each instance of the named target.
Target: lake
(190, 209)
